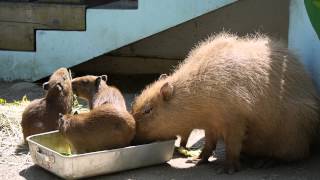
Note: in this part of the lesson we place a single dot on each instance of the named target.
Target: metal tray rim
(29, 139)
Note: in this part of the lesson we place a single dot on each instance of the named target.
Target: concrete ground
(179, 168)
(20, 166)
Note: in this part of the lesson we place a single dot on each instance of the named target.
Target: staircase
(20, 20)
(107, 27)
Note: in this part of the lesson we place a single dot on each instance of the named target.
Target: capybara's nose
(74, 89)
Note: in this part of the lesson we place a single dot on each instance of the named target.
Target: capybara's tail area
(315, 146)
(22, 148)
(316, 143)
(317, 138)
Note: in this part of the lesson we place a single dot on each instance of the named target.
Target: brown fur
(42, 115)
(183, 137)
(105, 127)
(251, 92)
(96, 91)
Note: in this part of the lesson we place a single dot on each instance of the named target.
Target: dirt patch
(10, 137)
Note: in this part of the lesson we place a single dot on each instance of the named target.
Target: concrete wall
(106, 30)
(303, 39)
(160, 52)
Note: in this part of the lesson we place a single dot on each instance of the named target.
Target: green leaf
(2, 101)
(25, 99)
(189, 153)
(313, 10)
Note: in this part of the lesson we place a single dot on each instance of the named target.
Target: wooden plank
(18, 22)
(16, 36)
(86, 2)
(49, 16)
(63, 1)
(17, 0)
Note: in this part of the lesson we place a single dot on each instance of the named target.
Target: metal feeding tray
(49, 150)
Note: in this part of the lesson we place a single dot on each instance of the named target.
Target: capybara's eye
(147, 110)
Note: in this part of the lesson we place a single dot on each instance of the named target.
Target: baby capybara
(96, 91)
(104, 127)
(107, 126)
(42, 115)
(251, 92)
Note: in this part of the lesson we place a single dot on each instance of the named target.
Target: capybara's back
(97, 92)
(251, 92)
(42, 115)
(104, 127)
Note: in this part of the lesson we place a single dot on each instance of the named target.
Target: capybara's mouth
(136, 142)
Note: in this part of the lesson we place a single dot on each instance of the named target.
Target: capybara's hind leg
(233, 142)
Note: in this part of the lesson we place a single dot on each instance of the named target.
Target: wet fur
(96, 91)
(42, 115)
(251, 92)
(104, 127)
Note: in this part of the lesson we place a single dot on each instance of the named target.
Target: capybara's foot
(264, 163)
(204, 155)
(197, 161)
(232, 168)
(209, 146)
(229, 168)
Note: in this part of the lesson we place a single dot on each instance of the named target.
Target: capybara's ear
(70, 73)
(163, 76)
(104, 77)
(166, 91)
(60, 115)
(98, 80)
(60, 121)
(45, 86)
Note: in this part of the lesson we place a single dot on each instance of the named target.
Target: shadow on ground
(180, 168)
(308, 169)
(21, 149)
(35, 173)
(12, 91)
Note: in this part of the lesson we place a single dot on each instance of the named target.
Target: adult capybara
(42, 115)
(96, 91)
(251, 92)
(104, 127)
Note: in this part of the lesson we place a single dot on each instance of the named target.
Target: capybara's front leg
(209, 146)
(183, 142)
(184, 139)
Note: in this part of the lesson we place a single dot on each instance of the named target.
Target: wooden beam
(53, 16)
(19, 20)
(126, 65)
(16, 36)
(86, 2)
